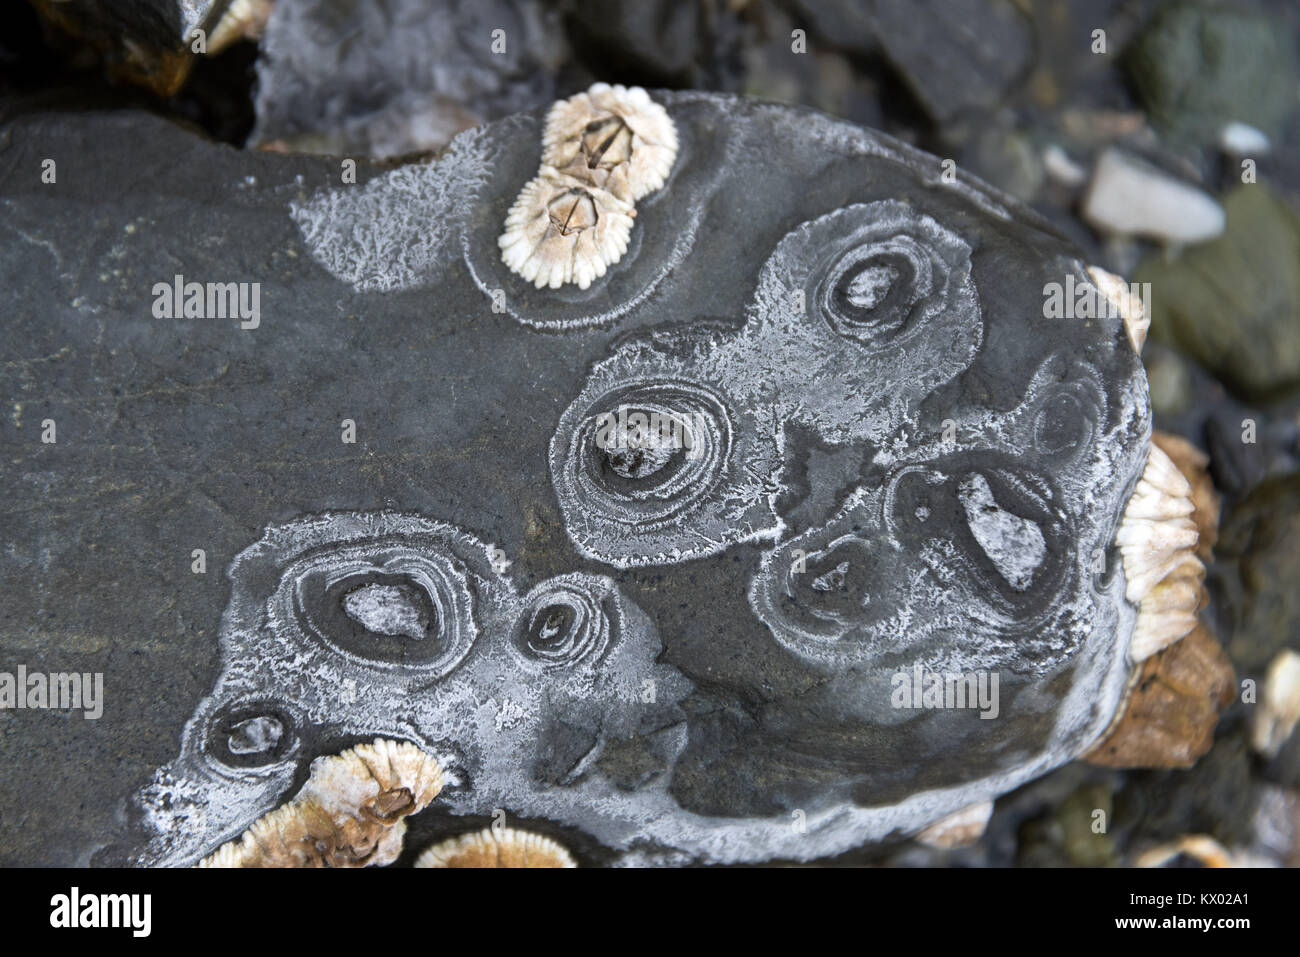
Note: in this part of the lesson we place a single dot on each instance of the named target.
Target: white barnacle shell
(243, 20)
(350, 813)
(561, 231)
(602, 150)
(497, 847)
(1157, 539)
(614, 137)
(385, 779)
(1130, 306)
(1279, 704)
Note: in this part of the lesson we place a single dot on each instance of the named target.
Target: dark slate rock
(659, 42)
(904, 464)
(1217, 797)
(1258, 567)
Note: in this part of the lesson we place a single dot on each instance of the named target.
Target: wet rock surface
(237, 429)
(202, 436)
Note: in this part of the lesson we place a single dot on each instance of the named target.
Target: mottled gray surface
(385, 78)
(192, 433)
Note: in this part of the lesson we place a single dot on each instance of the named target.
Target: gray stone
(1234, 304)
(1130, 197)
(954, 55)
(1198, 67)
(1258, 566)
(384, 78)
(639, 656)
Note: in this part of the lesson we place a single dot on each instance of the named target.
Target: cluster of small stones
(602, 150)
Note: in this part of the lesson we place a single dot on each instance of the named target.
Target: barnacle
(1157, 539)
(243, 20)
(350, 813)
(1183, 680)
(493, 847)
(1173, 703)
(613, 137)
(559, 231)
(602, 151)
(1130, 307)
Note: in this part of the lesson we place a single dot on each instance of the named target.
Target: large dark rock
(899, 464)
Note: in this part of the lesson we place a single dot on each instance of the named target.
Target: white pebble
(1130, 197)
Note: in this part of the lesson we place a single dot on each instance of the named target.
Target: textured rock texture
(898, 465)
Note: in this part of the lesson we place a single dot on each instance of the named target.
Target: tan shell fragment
(1131, 308)
(1157, 539)
(243, 20)
(959, 829)
(350, 813)
(559, 231)
(1199, 847)
(612, 137)
(1278, 711)
(506, 847)
(1171, 708)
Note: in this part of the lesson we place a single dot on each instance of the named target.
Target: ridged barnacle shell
(560, 231)
(1157, 539)
(613, 137)
(1131, 309)
(350, 813)
(385, 780)
(602, 151)
(491, 847)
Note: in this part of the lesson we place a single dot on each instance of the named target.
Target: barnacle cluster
(497, 847)
(350, 813)
(1157, 540)
(602, 150)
